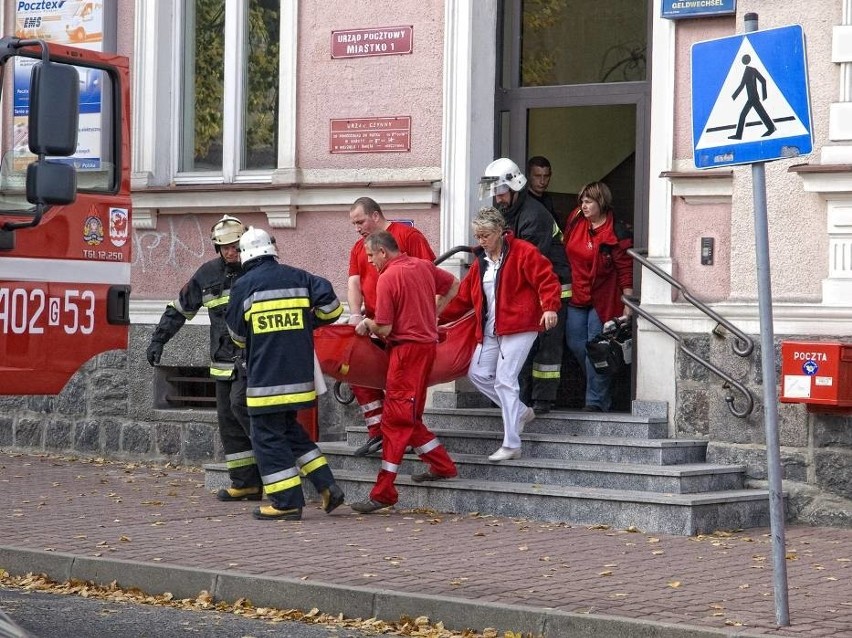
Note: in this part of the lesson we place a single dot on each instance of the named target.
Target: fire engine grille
(183, 388)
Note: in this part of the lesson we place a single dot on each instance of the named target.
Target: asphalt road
(47, 615)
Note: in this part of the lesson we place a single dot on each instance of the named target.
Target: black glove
(154, 352)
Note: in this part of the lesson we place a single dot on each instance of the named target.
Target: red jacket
(600, 267)
(525, 287)
(410, 241)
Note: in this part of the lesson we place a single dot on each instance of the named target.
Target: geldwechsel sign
(697, 8)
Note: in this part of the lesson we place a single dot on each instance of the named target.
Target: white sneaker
(528, 416)
(505, 453)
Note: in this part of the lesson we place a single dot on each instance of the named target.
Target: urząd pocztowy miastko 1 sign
(697, 8)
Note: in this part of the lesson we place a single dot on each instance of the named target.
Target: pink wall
(125, 20)
(327, 88)
(165, 258)
(392, 85)
(379, 86)
(691, 222)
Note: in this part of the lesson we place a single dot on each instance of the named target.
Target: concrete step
(655, 512)
(577, 467)
(681, 514)
(676, 479)
(576, 423)
(566, 447)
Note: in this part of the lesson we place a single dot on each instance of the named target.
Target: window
(98, 136)
(579, 42)
(229, 106)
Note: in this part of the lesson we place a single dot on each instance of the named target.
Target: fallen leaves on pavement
(419, 627)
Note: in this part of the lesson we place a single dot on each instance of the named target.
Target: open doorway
(574, 88)
(587, 144)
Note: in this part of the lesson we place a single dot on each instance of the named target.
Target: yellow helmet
(227, 230)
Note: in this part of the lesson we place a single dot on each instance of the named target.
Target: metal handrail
(452, 251)
(743, 344)
(729, 380)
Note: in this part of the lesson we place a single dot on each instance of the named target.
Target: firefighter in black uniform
(272, 313)
(210, 287)
(528, 219)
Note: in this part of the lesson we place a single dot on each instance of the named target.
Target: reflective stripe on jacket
(272, 313)
(209, 287)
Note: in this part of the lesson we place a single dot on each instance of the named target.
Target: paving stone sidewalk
(163, 516)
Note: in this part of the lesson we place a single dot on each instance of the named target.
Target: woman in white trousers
(513, 290)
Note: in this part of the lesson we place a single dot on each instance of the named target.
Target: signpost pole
(770, 405)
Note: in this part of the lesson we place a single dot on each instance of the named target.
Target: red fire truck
(65, 233)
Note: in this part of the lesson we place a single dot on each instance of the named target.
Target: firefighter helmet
(227, 230)
(256, 242)
(500, 176)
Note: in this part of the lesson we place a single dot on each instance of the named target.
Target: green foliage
(539, 17)
(209, 74)
(262, 84)
(260, 76)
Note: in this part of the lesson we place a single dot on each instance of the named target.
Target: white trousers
(494, 370)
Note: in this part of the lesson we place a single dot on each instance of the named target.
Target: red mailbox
(816, 373)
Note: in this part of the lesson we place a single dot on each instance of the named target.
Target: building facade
(284, 112)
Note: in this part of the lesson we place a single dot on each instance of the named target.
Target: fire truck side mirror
(54, 109)
(51, 183)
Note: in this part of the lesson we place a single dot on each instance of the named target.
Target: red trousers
(371, 401)
(402, 420)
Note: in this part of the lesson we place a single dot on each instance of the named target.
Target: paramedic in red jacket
(513, 290)
(409, 295)
(601, 271)
(367, 217)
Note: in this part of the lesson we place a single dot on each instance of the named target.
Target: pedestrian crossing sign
(750, 99)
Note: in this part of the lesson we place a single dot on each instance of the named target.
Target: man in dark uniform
(273, 311)
(529, 220)
(210, 287)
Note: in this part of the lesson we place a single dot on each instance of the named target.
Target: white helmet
(500, 175)
(256, 242)
(227, 230)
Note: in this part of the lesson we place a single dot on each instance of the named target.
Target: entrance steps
(577, 467)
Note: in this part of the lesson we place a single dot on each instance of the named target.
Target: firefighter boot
(240, 494)
(272, 513)
(332, 498)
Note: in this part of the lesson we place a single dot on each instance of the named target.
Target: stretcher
(362, 360)
(346, 356)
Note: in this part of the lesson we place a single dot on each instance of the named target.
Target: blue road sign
(750, 99)
(675, 9)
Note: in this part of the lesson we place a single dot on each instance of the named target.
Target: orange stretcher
(356, 360)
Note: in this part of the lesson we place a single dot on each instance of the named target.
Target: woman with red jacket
(596, 244)
(515, 293)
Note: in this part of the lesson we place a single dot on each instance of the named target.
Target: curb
(352, 602)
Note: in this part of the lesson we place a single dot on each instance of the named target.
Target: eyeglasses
(483, 235)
